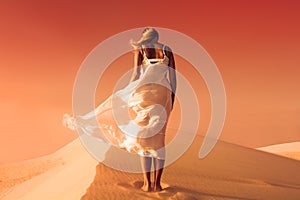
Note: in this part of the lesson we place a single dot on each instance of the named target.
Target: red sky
(255, 44)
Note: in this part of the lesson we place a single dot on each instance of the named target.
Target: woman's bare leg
(158, 170)
(146, 167)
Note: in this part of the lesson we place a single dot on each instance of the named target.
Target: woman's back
(154, 50)
(154, 53)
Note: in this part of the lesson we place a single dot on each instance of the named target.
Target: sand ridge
(290, 150)
(229, 172)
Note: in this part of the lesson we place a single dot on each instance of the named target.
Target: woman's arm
(136, 65)
(172, 73)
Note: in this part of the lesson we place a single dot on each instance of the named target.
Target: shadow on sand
(175, 192)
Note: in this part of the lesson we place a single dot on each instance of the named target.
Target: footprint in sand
(173, 194)
(131, 186)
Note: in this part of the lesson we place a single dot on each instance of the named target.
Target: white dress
(135, 117)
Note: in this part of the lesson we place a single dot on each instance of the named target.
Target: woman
(135, 117)
(150, 53)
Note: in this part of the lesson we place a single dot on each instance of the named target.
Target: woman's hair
(147, 36)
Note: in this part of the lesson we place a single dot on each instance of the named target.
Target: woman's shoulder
(167, 50)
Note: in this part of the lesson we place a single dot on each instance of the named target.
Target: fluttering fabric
(135, 117)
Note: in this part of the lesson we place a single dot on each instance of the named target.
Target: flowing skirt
(134, 118)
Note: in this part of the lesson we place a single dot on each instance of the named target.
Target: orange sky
(255, 45)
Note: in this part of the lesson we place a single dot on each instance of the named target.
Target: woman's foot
(146, 187)
(157, 187)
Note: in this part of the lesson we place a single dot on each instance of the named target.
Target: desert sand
(64, 174)
(290, 150)
(228, 172)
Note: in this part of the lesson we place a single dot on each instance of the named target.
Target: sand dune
(69, 174)
(229, 172)
(290, 150)
(13, 174)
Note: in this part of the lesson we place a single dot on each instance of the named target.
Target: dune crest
(290, 150)
(228, 172)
